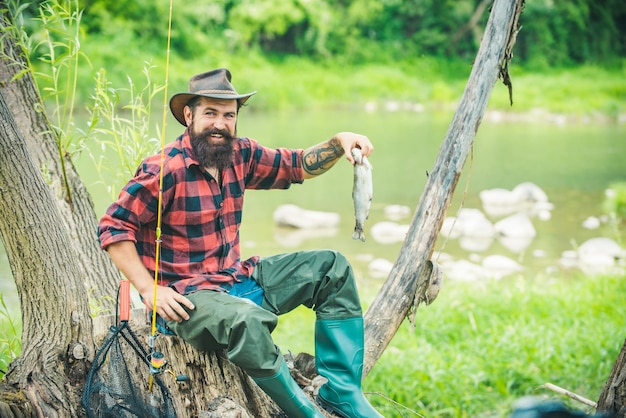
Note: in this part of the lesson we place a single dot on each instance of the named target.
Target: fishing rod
(156, 358)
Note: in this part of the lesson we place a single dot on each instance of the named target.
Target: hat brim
(180, 100)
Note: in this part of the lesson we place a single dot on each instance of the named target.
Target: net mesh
(113, 390)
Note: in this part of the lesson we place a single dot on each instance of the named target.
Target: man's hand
(349, 140)
(169, 303)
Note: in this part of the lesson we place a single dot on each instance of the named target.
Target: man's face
(212, 127)
(214, 114)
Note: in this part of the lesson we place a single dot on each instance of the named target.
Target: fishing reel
(158, 363)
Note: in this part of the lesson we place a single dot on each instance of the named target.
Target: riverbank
(580, 94)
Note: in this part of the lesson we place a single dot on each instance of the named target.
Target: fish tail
(358, 233)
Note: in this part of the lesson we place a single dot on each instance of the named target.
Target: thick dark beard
(210, 154)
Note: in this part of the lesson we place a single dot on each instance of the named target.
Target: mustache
(212, 131)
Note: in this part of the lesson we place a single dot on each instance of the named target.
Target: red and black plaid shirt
(200, 220)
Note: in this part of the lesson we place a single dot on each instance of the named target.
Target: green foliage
(120, 127)
(55, 43)
(553, 34)
(59, 50)
(572, 32)
(10, 337)
(481, 346)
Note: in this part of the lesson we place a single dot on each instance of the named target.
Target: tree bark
(613, 397)
(407, 284)
(56, 337)
(70, 195)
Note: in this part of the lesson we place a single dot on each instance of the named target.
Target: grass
(10, 337)
(481, 346)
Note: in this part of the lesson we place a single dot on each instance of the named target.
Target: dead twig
(569, 394)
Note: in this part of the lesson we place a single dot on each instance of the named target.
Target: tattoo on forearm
(320, 158)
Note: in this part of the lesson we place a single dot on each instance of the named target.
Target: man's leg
(324, 281)
(242, 328)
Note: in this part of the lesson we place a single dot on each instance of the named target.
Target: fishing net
(114, 390)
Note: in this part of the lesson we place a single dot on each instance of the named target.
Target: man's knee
(250, 344)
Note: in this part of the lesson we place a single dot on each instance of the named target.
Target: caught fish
(362, 191)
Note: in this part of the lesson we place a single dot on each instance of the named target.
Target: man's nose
(219, 123)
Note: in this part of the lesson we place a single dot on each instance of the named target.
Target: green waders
(322, 280)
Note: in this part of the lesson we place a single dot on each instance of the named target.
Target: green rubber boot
(339, 358)
(287, 394)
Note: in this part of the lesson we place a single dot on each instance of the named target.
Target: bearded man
(206, 294)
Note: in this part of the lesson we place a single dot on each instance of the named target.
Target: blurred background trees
(556, 33)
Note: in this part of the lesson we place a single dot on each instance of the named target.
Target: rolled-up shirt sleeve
(135, 207)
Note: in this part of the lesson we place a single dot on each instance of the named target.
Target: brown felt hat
(214, 84)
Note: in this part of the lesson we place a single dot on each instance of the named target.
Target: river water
(573, 164)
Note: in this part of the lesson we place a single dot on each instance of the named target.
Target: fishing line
(467, 183)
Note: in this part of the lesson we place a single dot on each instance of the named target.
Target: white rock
(296, 217)
(515, 244)
(396, 212)
(499, 202)
(600, 246)
(500, 266)
(463, 270)
(450, 229)
(530, 193)
(387, 232)
(473, 223)
(600, 256)
(479, 244)
(380, 268)
(591, 223)
(518, 226)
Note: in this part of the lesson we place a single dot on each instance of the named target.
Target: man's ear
(188, 114)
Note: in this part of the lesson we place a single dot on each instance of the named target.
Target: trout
(362, 191)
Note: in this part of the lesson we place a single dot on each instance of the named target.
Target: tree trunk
(613, 396)
(56, 338)
(406, 286)
(69, 194)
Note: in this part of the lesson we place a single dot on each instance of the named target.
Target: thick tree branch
(399, 293)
